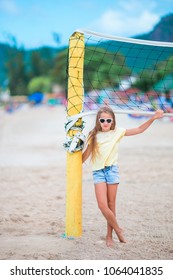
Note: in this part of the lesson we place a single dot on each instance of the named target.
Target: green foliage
(145, 81)
(16, 74)
(148, 78)
(36, 64)
(167, 65)
(42, 84)
(40, 62)
(19, 67)
(59, 71)
(103, 69)
(26, 71)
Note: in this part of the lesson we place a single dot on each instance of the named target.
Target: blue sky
(33, 22)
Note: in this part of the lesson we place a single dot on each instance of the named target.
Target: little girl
(102, 145)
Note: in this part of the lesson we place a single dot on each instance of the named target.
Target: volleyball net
(129, 75)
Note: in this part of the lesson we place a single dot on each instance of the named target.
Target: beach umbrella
(36, 97)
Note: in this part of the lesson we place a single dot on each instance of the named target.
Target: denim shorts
(109, 175)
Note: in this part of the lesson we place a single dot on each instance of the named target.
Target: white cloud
(124, 23)
(9, 6)
(136, 6)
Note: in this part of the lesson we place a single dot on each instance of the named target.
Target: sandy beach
(33, 191)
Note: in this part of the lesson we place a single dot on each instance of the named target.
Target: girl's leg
(101, 196)
(111, 198)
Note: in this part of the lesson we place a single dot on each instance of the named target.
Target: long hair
(93, 133)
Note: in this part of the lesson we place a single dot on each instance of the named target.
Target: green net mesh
(126, 74)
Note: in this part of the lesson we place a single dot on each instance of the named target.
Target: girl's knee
(102, 206)
(111, 204)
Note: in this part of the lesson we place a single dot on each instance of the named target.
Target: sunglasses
(101, 120)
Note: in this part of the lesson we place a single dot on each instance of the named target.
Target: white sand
(33, 185)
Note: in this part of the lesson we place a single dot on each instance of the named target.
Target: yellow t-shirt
(108, 143)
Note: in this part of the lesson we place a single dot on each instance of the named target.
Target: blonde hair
(92, 135)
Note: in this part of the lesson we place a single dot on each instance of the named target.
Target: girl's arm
(133, 131)
(86, 154)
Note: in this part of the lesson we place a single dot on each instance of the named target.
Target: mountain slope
(163, 31)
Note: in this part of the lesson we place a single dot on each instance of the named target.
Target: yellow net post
(74, 160)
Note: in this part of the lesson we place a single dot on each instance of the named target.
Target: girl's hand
(133, 131)
(158, 114)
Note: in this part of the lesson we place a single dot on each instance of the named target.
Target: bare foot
(109, 241)
(120, 236)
